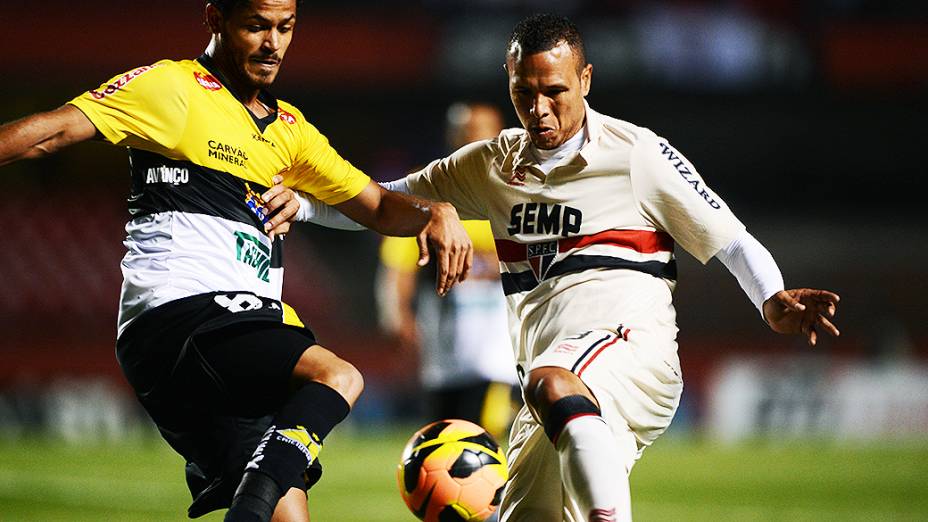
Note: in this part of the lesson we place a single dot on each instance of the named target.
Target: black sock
(290, 445)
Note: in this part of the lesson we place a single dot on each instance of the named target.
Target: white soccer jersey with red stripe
(620, 203)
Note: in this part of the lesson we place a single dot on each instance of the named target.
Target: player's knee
(545, 385)
(344, 378)
(548, 384)
(320, 365)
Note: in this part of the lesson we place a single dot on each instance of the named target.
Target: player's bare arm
(43, 134)
(435, 223)
(803, 311)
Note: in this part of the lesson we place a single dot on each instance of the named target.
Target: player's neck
(240, 87)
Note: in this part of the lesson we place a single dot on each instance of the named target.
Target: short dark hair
(226, 6)
(542, 32)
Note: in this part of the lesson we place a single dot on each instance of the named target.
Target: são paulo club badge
(541, 256)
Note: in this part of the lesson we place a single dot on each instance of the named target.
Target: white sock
(593, 470)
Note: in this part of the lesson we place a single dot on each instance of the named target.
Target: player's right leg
(291, 507)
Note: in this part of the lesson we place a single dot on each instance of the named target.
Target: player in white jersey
(585, 210)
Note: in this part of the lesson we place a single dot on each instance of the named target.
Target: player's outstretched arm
(432, 222)
(44, 133)
(803, 311)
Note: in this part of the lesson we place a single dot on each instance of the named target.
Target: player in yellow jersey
(234, 382)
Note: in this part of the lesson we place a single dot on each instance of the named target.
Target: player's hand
(282, 206)
(802, 311)
(452, 246)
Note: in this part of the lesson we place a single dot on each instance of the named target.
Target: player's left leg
(326, 387)
(593, 467)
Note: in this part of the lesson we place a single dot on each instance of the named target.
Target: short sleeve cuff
(89, 109)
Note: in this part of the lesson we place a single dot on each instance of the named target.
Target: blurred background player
(465, 356)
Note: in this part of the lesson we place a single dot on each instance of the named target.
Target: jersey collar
(593, 122)
(264, 96)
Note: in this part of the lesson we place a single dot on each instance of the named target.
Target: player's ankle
(255, 499)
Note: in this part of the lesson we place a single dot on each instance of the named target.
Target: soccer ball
(452, 470)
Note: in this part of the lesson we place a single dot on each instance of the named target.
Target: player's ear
(586, 77)
(213, 18)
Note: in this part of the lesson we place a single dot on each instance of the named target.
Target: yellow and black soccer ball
(452, 470)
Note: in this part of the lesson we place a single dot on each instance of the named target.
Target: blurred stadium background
(807, 117)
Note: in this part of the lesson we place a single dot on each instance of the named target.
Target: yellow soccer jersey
(199, 161)
(182, 111)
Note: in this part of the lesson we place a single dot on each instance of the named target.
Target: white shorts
(624, 350)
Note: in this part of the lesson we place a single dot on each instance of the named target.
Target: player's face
(255, 37)
(547, 93)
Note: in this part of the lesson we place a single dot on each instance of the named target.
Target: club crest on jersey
(255, 204)
(207, 81)
(541, 256)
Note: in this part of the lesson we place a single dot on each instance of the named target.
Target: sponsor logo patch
(250, 250)
(688, 176)
(207, 81)
(120, 82)
(165, 174)
(286, 116)
(304, 441)
(228, 153)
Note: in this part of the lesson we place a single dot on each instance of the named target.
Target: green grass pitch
(675, 480)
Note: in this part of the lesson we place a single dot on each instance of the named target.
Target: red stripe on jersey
(643, 241)
(595, 355)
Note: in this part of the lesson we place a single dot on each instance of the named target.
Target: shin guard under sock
(288, 447)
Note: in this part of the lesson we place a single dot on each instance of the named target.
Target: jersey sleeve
(456, 179)
(674, 197)
(319, 170)
(144, 108)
